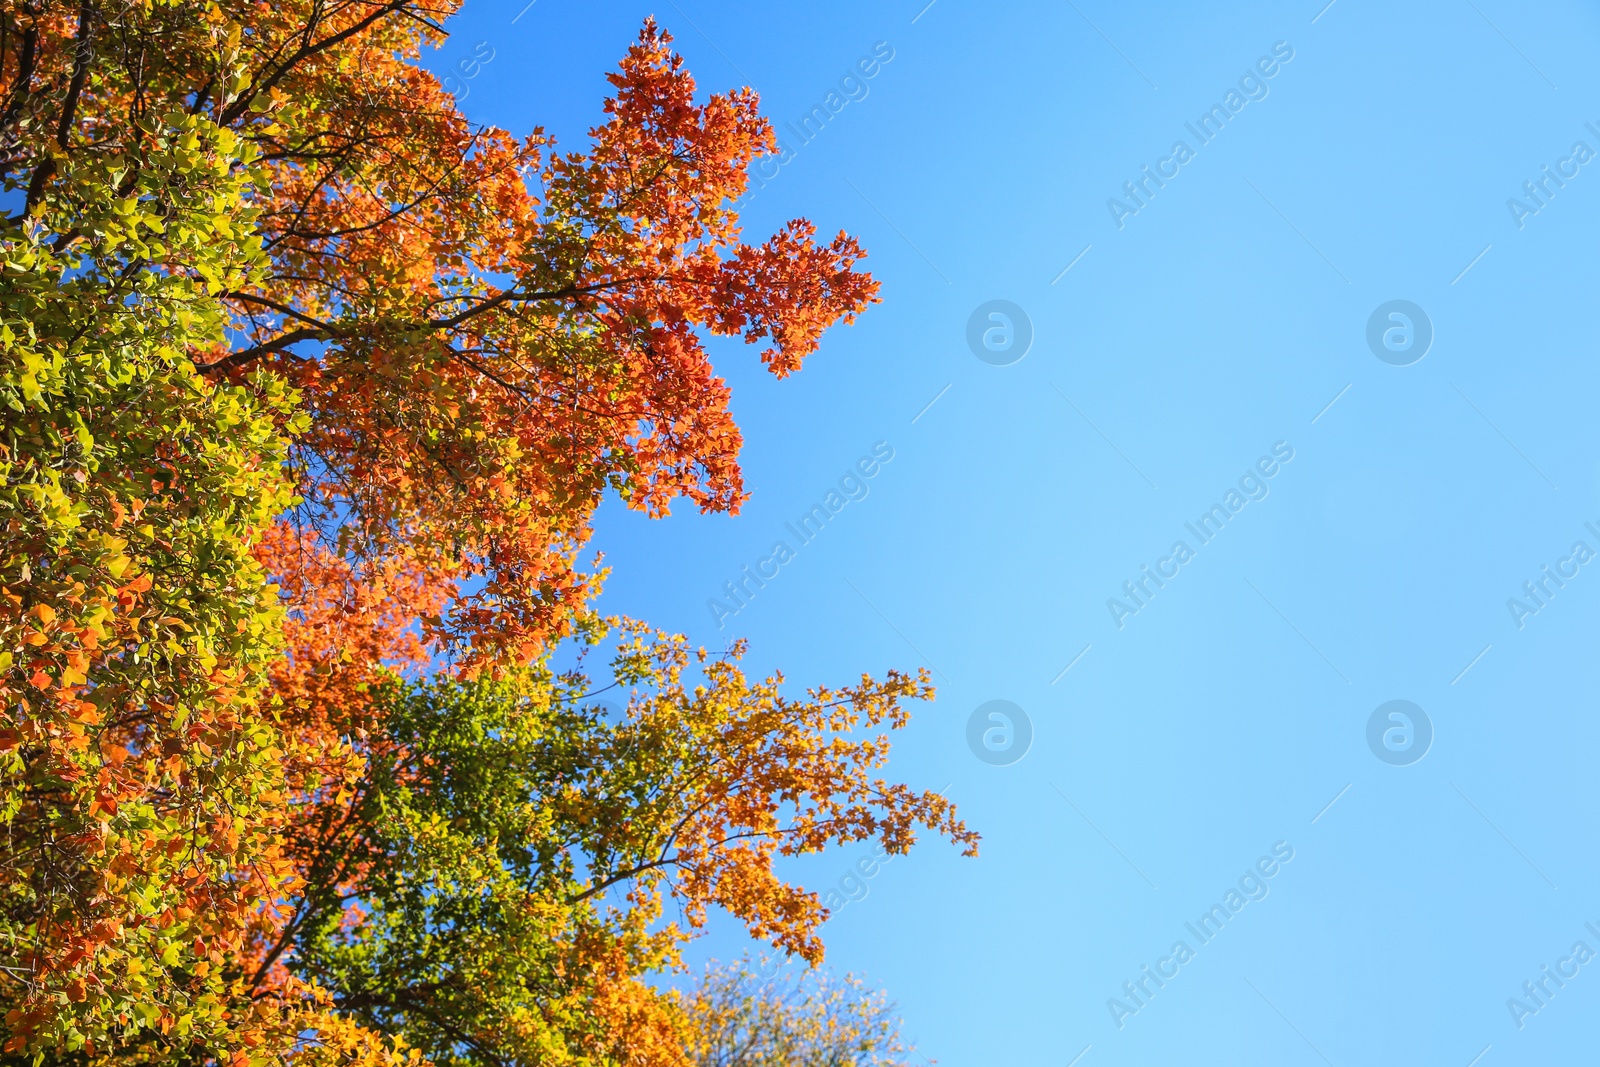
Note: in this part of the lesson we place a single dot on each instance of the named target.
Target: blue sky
(1173, 349)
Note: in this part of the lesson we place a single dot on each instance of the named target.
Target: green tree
(311, 389)
(139, 768)
(498, 889)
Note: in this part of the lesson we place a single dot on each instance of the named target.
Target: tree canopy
(311, 390)
(741, 1017)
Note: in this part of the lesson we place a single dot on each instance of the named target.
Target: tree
(494, 888)
(476, 424)
(312, 390)
(140, 777)
(740, 1017)
(480, 360)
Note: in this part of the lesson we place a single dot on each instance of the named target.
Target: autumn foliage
(755, 1014)
(311, 389)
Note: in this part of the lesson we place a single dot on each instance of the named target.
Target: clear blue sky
(1219, 321)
